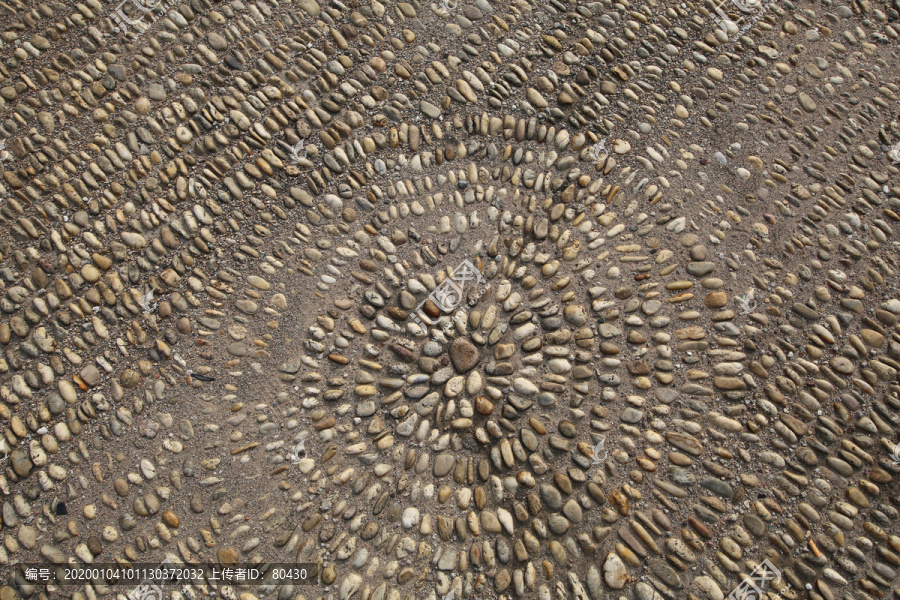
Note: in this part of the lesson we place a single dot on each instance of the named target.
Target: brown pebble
(121, 487)
(183, 325)
(483, 405)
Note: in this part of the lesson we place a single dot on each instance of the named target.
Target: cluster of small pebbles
(221, 222)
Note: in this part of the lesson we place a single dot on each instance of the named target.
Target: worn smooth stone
(615, 574)
(463, 355)
(443, 464)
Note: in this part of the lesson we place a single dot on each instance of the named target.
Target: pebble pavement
(227, 234)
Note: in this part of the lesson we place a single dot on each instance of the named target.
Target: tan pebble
(716, 300)
(872, 338)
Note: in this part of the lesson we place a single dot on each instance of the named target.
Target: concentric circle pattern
(482, 299)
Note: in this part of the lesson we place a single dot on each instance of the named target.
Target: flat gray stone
(443, 464)
(717, 487)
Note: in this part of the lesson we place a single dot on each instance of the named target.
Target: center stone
(464, 355)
